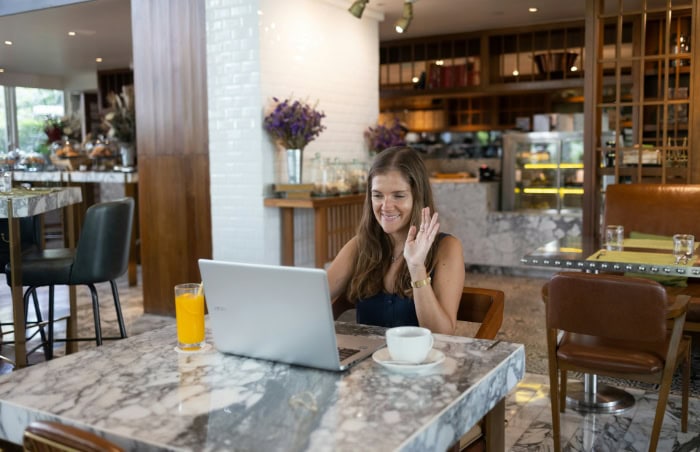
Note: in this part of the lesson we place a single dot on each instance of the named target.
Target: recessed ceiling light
(98, 59)
(533, 9)
(8, 43)
(2, 70)
(516, 73)
(71, 33)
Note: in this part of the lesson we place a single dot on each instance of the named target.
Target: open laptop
(278, 313)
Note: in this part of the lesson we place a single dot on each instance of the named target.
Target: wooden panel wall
(172, 145)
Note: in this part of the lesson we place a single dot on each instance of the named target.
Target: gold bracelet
(421, 282)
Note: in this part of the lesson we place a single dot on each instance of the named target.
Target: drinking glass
(683, 247)
(5, 181)
(614, 237)
(189, 316)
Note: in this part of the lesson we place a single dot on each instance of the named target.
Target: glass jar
(358, 176)
(31, 161)
(66, 148)
(9, 159)
(103, 153)
(342, 177)
(327, 181)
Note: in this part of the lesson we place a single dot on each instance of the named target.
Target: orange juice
(189, 314)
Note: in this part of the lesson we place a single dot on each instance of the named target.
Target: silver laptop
(278, 313)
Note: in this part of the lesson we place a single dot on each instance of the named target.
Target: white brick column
(308, 49)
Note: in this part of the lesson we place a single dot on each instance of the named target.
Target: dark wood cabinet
(112, 81)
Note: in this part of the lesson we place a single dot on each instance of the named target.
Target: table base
(607, 399)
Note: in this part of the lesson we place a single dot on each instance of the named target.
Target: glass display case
(543, 171)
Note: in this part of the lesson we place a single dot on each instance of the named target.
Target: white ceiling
(41, 44)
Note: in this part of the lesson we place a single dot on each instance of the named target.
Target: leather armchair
(616, 326)
(663, 209)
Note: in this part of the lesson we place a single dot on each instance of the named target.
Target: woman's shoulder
(448, 243)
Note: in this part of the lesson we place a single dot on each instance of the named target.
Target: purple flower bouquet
(293, 123)
(384, 136)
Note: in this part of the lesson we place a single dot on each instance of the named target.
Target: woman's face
(392, 201)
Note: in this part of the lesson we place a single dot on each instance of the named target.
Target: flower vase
(295, 161)
(128, 154)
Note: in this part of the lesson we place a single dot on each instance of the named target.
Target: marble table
(140, 393)
(21, 203)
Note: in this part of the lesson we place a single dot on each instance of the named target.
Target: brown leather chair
(616, 326)
(46, 436)
(484, 306)
(662, 209)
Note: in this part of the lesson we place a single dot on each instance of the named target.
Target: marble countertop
(26, 203)
(140, 393)
(76, 176)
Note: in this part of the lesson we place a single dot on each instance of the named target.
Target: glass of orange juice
(189, 315)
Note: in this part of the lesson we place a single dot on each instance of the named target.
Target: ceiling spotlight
(98, 59)
(2, 70)
(532, 9)
(8, 43)
(358, 7)
(406, 17)
(71, 33)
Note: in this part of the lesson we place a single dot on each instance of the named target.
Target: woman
(398, 270)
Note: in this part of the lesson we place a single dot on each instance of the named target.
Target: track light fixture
(406, 17)
(358, 7)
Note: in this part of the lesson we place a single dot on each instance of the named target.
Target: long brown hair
(374, 248)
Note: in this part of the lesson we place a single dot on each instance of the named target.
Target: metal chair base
(607, 399)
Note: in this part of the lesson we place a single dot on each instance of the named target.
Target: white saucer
(383, 358)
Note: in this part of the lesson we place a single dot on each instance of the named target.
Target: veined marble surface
(469, 211)
(143, 395)
(27, 203)
(76, 176)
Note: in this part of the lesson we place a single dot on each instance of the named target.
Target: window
(4, 141)
(32, 107)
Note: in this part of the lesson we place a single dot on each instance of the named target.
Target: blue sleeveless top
(388, 310)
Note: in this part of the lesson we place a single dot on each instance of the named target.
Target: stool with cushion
(615, 326)
(101, 255)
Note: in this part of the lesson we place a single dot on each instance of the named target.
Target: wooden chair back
(483, 306)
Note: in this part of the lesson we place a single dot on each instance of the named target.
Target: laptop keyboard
(345, 353)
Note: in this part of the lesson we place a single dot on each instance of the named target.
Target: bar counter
(143, 395)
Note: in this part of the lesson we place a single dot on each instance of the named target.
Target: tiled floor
(528, 413)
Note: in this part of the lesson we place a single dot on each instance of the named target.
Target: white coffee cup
(409, 343)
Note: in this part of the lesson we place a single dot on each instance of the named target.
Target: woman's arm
(436, 302)
(340, 270)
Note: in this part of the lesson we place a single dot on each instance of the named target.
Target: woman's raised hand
(419, 240)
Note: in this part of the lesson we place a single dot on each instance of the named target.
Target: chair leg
(554, 388)
(51, 321)
(96, 314)
(37, 311)
(664, 389)
(562, 390)
(684, 390)
(118, 309)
